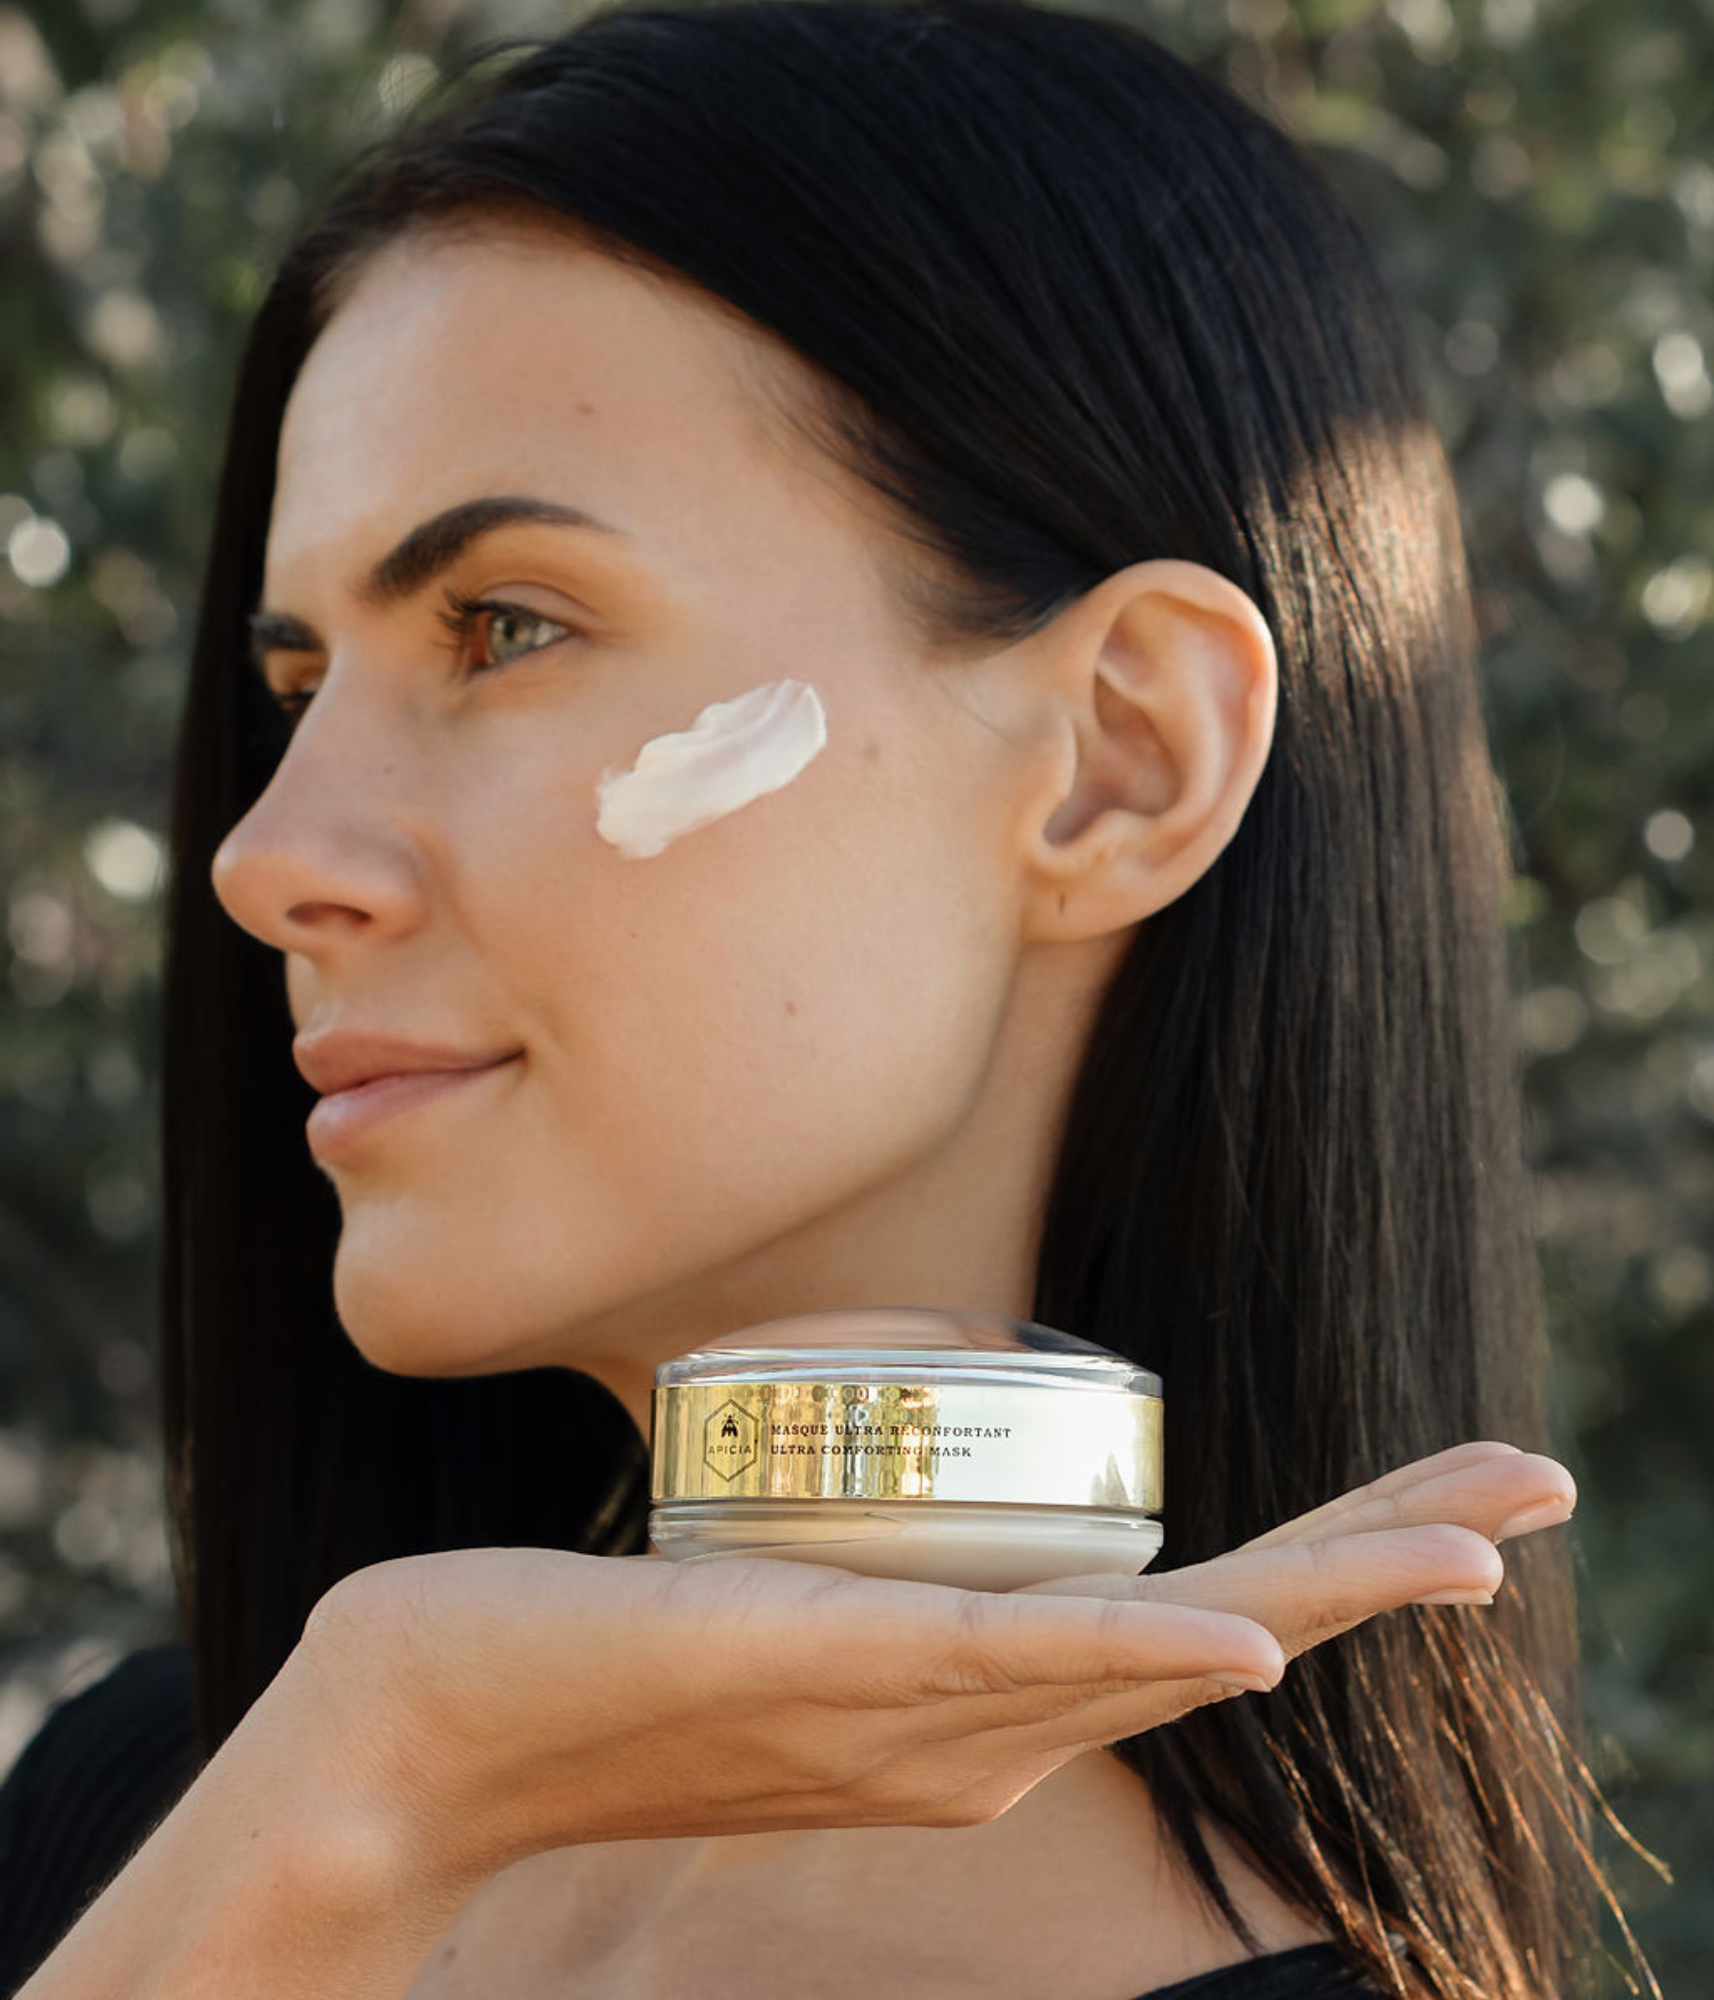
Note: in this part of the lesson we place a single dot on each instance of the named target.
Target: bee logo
(729, 1440)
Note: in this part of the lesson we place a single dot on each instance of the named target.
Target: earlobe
(1167, 686)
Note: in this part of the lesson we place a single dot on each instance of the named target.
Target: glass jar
(906, 1441)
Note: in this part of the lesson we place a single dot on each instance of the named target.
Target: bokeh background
(1538, 178)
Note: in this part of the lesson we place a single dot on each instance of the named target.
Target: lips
(342, 1059)
(344, 1119)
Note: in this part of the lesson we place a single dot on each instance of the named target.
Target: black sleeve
(94, 1781)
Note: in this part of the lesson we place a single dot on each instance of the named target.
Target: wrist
(382, 1821)
(286, 1870)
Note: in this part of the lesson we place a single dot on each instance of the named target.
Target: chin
(418, 1328)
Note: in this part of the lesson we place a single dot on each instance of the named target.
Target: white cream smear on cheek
(734, 752)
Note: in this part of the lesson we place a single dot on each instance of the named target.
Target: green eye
(464, 614)
(499, 619)
(463, 618)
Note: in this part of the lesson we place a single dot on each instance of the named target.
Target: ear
(1161, 685)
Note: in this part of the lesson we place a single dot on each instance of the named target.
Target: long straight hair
(1069, 302)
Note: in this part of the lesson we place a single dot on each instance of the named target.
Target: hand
(1370, 1550)
(499, 1702)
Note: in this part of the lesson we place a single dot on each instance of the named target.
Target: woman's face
(787, 1061)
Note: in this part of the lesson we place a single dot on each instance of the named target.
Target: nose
(330, 852)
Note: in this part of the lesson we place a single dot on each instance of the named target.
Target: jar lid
(907, 1403)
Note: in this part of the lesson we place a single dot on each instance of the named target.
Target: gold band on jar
(1039, 1446)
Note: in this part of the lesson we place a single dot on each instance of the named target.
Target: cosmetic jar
(904, 1441)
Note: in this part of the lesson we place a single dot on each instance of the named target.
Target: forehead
(526, 360)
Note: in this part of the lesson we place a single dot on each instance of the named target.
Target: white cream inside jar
(917, 1442)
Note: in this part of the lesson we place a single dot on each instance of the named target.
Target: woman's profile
(1125, 954)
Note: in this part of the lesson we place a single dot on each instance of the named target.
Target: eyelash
(459, 618)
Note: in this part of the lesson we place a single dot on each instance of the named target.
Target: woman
(1121, 949)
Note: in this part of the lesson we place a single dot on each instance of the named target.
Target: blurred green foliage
(1537, 177)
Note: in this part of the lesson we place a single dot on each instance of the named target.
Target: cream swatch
(734, 752)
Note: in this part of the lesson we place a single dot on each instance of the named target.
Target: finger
(1308, 1592)
(1502, 1494)
(883, 1642)
(1305, 1592)
(1332, 1515)
(1498, 1493)
(1004, 1642)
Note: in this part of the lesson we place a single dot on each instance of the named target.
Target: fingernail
(1545, 1514)
(1456, 1597)
(1250, 1683)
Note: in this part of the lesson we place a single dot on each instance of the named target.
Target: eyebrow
(430, 548)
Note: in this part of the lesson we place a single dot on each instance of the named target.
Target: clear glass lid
(896, 1343)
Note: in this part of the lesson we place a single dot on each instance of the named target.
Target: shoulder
(99, 1774)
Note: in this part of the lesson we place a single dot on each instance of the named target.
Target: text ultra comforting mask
(949, 1447)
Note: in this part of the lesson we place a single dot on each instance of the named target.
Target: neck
(1074, 1888)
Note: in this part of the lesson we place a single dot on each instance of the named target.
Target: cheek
(812, 980)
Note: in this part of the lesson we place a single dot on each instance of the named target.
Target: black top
(87, 1789)
(106, 1767)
